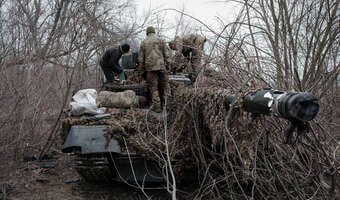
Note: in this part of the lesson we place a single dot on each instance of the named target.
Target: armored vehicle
(103, 156)
(99, 159)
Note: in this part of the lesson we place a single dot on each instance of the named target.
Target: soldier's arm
(166, 55)
(178, 58)
(141, 58)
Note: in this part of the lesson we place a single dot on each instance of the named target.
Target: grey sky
(205, 10)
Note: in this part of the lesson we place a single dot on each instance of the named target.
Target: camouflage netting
(235, 155)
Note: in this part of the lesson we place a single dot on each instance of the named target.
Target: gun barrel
(300, 106)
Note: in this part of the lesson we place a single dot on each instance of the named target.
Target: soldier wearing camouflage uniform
(153, 58)
(191, 47)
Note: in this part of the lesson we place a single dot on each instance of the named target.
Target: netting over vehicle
(233, 154)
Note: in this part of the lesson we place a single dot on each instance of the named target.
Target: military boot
(155, 102)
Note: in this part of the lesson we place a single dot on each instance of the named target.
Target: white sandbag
(126, 99)
(84, 102)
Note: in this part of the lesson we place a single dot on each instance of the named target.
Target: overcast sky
(205, 10)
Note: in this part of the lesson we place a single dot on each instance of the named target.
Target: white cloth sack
(84, 102)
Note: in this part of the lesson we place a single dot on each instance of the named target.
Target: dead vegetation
(233, 154)
(50, 49)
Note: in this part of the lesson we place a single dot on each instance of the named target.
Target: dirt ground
(56, 180)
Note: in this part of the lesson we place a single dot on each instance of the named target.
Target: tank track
(94, 168)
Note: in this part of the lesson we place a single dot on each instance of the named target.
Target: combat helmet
(149, 30)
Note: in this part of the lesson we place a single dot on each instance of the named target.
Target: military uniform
(153, 57)
(192, 43)
(179, 64)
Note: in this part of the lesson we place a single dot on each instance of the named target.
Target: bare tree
(48, 50)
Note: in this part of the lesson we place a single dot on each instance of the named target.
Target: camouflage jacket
(189, 42)
(153, 54)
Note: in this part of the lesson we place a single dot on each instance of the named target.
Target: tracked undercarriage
(99, 160)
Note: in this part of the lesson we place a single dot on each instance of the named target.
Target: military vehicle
(100, 161)
(99, 158)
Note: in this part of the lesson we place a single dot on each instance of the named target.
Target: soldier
(110, 62)
(153, 58)
(191, 47)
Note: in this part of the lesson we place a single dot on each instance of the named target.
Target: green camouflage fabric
(189, 42)
(153, 54)
(158, 84)
(179, 63)
(192, 43)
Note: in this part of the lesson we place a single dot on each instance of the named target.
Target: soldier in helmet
(153, 58)
(190, 47)
(110, 62)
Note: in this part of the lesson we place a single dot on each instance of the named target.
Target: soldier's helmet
(149, 30)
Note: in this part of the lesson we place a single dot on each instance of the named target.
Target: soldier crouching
(191, 47)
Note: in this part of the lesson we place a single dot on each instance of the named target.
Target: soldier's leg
(109, 75)
(164, 82)
(197, 53)
(196, 60)
(152, 82)
(164, 86)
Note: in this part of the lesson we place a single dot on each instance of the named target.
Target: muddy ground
(56, 179)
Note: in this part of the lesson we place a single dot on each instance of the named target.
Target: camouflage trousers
(192, 54)
(196, 56)
(158, 85)
(181, 63)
